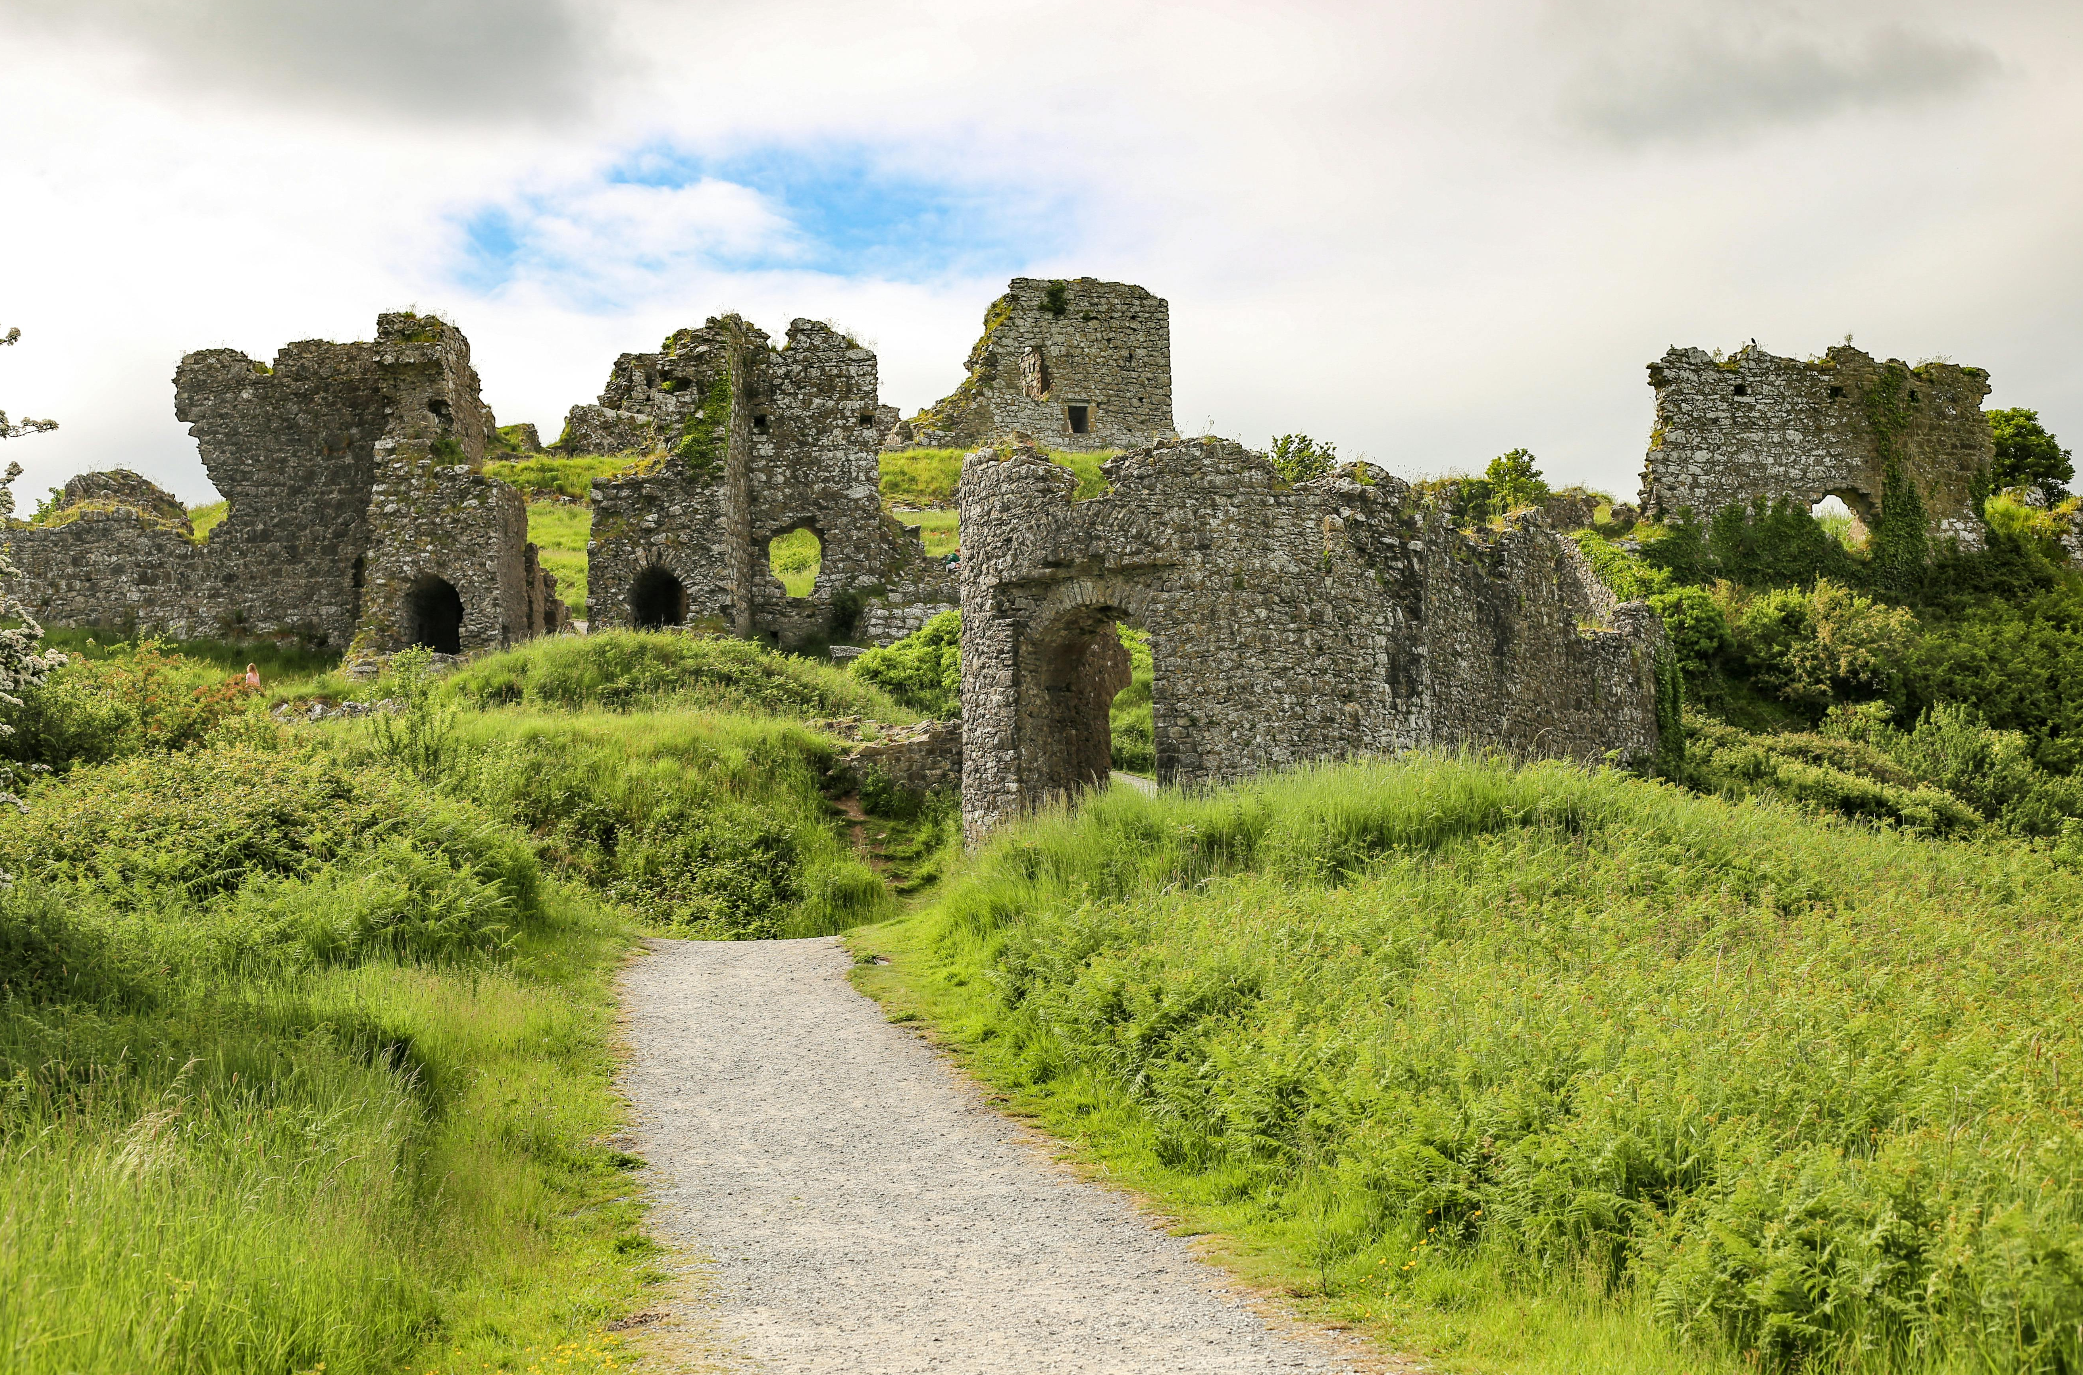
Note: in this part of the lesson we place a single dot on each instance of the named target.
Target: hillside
(1536, 1069)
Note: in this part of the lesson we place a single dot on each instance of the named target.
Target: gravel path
(862, 1209)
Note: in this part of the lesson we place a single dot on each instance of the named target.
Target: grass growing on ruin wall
(1546, 1070)
(302, 1066)
(569, 478)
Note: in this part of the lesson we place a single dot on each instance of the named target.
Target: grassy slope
(559, 531)
(1546, 1071)
(306, 1069)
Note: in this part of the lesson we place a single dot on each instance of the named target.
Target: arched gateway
(1339, 616)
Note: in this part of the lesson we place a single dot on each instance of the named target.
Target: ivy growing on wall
(701, 443)
(1900, 545)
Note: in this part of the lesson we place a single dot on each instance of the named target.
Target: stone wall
(1055, 355)
(1334, 617)
(745, 442)
(926, 757)
(1756, 425)
(351, 474)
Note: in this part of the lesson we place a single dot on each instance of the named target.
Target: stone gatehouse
(1078, 364)
(1756, 425)
(358, 511)
(742, 443)
(1339, 616)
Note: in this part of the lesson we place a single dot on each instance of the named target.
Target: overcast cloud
(1428, 233)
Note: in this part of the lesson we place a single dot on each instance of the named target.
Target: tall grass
(301, 1067)
(559, 530)
(707, 824)
(1444, 1041)
(629, 668)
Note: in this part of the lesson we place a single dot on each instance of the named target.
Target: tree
(22, 664)
(1300, 458)
(2027, 456)
(1515, 482)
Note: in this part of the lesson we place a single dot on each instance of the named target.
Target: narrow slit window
(1742, 389)
(1080, 418)
(759, 424)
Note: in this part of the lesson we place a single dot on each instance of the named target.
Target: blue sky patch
(840, 210)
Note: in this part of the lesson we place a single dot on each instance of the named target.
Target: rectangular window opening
(759, 424)
(1837, 393)
(867, 422)
(1080, 418)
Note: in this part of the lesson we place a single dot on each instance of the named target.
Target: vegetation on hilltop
(1535, 1068)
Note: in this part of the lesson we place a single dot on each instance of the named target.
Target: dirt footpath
(860, 1209)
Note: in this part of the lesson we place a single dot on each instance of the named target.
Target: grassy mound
(1554, 1070)
(624, 668)
(305, 1068)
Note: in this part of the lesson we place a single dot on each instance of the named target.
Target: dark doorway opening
(434, 615)
(1080, 419)
(657, 598)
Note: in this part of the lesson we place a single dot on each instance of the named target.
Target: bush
(132, 698)
(1824, 644)
(922, 671)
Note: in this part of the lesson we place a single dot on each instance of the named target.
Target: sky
(1427, 233)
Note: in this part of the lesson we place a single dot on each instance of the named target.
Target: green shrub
(2028, 456)
(922, 671)
(1298, 458)
(1823, 644)
(1697, 627)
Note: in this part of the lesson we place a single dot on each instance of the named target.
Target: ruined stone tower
(357, 509)
(1078, 364)
(742, 443)
(1756, 425)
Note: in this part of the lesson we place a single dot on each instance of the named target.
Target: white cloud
(1384, 224)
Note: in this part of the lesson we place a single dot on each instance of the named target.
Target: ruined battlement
(1757, 425)
(744, 443)
(1079, 364)
(339, 527)
(1286, 623)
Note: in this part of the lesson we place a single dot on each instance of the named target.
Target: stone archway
(657, 598)
(434, 614)
(1076, 663)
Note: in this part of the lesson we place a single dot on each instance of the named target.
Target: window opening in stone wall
(1742, 389)
(1034, 373)
(1913, 394)
(1837, 393)
(1080, 419)
(358, 572)
(1840, 521)
(657, 598)
(867, 422)
(439, 409)
(434, 614)
(759, 424)
(795, 557)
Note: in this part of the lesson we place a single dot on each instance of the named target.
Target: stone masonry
(1078, 364)
(1338, 616)
(743, 442)
(357, 509)
(1756, 425)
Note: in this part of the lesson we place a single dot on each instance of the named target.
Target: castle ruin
(1754, 425)
(743, 443)
(1078, 364)
(358, 511)
(1339, 616)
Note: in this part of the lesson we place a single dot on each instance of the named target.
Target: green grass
(940, 531)
(795, 558)
(559, 531)
(567, 477)
(930, 477)
(207, 518)
(1546, 1070)
(921, 477)
(305, 1068)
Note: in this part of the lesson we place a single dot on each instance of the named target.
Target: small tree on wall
(25, 425)
(2027, 456)
(22, 664)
